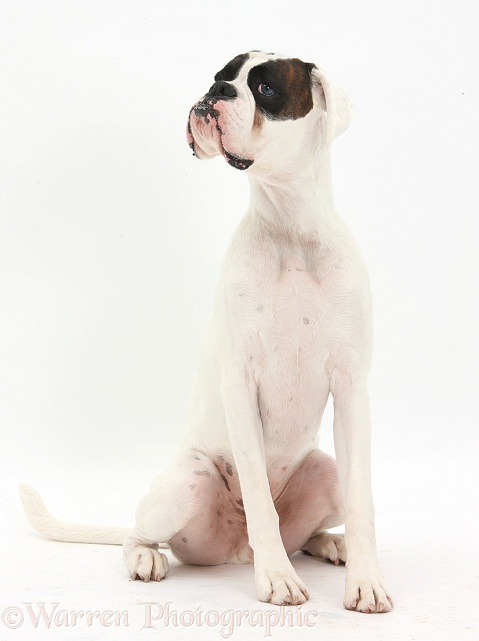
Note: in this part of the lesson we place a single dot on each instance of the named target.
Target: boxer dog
(291, 325)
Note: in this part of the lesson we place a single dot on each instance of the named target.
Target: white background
(111, 235)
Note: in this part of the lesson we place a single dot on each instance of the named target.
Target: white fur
(291, 324)
(52, 528)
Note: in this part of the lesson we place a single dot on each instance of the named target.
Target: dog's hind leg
(310, 504)
(187, 506)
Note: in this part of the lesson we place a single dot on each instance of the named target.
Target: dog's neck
(298, 204)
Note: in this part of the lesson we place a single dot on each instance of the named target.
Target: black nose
(222, 91)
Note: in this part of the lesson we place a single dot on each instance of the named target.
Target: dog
(291, 325)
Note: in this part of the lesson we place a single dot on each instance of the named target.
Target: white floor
(428, 547)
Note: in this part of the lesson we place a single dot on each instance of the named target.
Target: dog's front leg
(276, 579)
(365, 587)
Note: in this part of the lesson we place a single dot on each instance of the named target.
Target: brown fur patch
(258, 119)
(298, 83)
(290, 80)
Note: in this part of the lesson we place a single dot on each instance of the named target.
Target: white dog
(291, 324)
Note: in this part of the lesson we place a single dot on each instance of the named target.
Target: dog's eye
(265, 90)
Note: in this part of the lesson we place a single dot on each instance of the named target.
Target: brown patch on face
(258, 119)
(282, 88)
(300, 97)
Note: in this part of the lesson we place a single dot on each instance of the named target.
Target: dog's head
(267, 110)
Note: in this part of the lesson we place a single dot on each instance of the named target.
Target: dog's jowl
(291, 324)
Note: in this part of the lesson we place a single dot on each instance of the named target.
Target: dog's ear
(337, 104)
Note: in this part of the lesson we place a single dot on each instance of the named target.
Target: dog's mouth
(236, 161)
(205, 110)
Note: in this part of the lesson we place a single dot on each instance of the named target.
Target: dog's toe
(281, 588)
(367, 595)
(147, 564)
(329, 546)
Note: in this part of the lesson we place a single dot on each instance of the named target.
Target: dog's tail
(51, 528)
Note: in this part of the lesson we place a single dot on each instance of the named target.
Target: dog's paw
(281, 587)
(367, 592)
(147, 564)
(334, 548)
(328, 546)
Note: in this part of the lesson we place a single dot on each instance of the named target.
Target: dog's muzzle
(205, 110)
(221, 90)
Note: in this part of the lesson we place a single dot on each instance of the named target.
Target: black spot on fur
(225, 481)
(231, 70)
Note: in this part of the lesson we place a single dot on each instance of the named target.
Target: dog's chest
(290, 348)
(292, 310)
